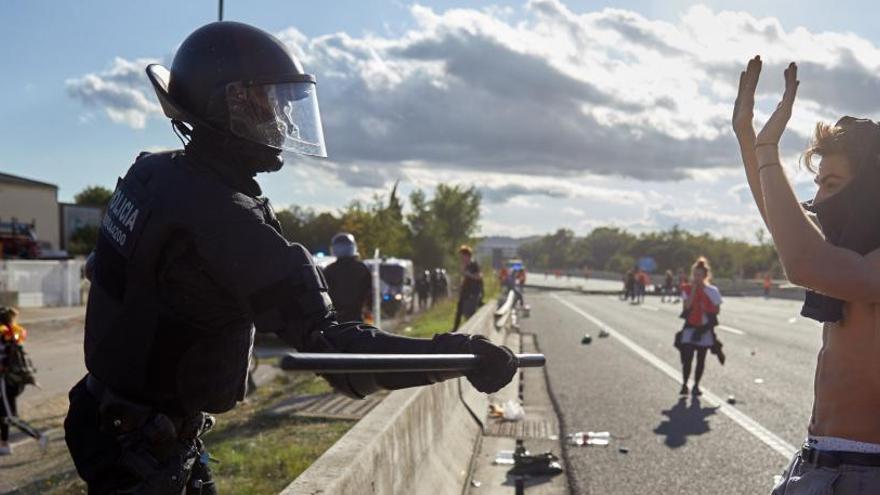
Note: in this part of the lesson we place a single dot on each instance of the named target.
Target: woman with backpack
(702, 302)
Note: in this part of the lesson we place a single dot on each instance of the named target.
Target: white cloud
(122, 91)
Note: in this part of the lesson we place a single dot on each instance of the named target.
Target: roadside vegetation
(616, 250)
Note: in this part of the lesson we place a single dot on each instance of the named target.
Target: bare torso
(847, 386)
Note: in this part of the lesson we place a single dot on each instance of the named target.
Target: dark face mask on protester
(850, 218)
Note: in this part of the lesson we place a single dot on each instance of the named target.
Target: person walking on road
(470, 294)
(701, 304)
(831, 246)
(642, 281)
(668, 284)
(520, 285)
(423, 289)
(629, 286)
(190, 261)
(349, 281)
(12, 336)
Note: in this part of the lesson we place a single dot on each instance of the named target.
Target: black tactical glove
(497, 365)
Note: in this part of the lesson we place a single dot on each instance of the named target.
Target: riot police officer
(190, 261)
(348, 279)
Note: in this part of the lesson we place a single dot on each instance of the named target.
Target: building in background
(75, 217)
(29, 201)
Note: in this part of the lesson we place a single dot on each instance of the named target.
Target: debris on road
(731, 400)
(527, 464)
(476, 484)
(504, 458)
(623, 450)
(792, 320)
(586, 339)
(603, 333)
(590, 438)
(759, 380)
(512, 410)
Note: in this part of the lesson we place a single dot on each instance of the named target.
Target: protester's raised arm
(743, 114)
(808, 259)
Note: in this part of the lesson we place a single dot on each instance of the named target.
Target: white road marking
(747, 423)
(732, 330)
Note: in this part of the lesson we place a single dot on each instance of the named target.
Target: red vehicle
(18, 240)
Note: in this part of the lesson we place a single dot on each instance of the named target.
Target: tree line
(429, 232)
(614, 249)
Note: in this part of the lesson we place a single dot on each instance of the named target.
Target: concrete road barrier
(418, 440)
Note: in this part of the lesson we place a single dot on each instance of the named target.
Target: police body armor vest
(184, 268)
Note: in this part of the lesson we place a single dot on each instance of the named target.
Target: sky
(562, 113)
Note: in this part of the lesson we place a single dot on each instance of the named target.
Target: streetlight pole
(219, 10)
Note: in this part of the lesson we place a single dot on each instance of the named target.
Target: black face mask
(850, 218)
(237, 161)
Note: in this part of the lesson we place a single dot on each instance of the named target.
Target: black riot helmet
(243, 82)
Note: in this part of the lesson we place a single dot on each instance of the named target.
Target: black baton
(392, 363)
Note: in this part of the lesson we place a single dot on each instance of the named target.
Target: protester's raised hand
(775, 126)
(743, 108)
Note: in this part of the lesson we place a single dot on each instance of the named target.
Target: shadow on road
(684, 421)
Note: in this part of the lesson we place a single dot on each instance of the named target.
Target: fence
(43, 283)
(418, 440)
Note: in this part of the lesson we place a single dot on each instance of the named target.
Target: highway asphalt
(628, 384)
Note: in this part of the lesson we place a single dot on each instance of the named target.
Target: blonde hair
(827, 140)
(702, 264)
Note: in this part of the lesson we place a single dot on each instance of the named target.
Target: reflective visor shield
(281, 115)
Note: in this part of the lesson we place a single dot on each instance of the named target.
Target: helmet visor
(283, 115)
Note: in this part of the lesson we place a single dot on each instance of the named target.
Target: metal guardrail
(505, 315)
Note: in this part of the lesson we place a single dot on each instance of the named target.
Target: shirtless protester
(835, 254)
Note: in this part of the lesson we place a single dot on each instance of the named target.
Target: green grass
(258, 453)
(262, 453)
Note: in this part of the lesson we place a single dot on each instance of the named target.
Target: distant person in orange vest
(767, 284)
(642, 281)
(503, 274)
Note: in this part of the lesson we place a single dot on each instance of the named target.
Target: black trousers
(468, 303)
(687, 358)
(12, 392)
(99, 457)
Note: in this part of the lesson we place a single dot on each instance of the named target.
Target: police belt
(835, 459)
(187, 427)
